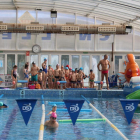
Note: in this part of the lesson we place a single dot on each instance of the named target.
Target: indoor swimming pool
(12, 126)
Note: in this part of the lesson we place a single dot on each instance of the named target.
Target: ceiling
(119, 11)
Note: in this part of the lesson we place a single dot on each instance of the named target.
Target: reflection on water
(51, 130)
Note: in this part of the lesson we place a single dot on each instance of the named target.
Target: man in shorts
(34, 72)
(79, 78)
(73, 79)
(62, 76)
(56, 75)
(50, 77)
(105, 64)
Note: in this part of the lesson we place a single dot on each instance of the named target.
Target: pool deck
(64, 93)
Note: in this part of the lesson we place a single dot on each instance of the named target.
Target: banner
(74, 107)
(26, 107)
(129, 106)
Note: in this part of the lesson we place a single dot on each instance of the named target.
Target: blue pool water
(12, 126)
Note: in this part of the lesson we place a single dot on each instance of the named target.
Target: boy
(73, 79)
(54, 107)
(62, 76)
(50, 77)
(79, 77)
(91, 78)
(40, 77)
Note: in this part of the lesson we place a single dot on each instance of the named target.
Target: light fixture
(53, 14)
(128, 29)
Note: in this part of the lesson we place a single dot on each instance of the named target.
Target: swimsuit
(73, 82)
(79, 81)
(104, 71)
(34, 78)
(91, 80)
(45, 70)
(57, 77)
(26, 75)
(62, 79)
(15, 74)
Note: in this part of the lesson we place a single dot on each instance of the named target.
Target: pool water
(12, 126)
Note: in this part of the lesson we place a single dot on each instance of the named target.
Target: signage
(27, 53)
(6, 80)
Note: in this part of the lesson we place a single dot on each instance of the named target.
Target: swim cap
(70, 68)
(57, 65)
(54, 105)
(54, 115)
(66, 68)
(45, 59)
(1, 103)
(81, 68)
(73, 69)
(91, 70)
(33, 62)
(40, 70)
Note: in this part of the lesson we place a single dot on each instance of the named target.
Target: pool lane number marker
(26, 107)
(129, 106)
(74, 107)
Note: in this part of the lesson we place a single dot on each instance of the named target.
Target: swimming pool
(12, 126)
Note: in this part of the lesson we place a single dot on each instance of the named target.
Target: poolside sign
(74, 107)
(26, 107)
(129, 106)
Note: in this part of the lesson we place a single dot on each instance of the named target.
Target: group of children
(49, 77)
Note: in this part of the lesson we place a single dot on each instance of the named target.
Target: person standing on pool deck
(52, 123)
(50, 77)
(34, 72)
(62, 76)
(91, 78)
(56, 75)
(104, 71)
(44, 73)
(26, 74)
(73, 79)
(14, 75)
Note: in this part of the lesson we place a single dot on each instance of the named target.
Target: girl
(14, 76)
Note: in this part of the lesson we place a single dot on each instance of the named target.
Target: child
(54, 107)
(73, 79)
(79, 77)
(50, 77)
(26, 74)
(14, 75)
(62, 76)
(2, 105)
(91, 78)
(40, 77)
(67, 76)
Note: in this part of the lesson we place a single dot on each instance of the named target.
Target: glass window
(42, 59)
(65, 18)
(21, 64)
(54, 60)
(137, 57)
(35, 59)
(2, 63)
(10, 62)
(75, 61)
(64, 60)
(117, 63)
(95, 61)
(85, 65)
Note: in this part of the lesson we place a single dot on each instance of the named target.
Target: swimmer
(50, 77)
(14, 75)
(26, 74)
(91, 78)
(54, 107)
(52, 123)
(2, 105)
(40, 78)
(62, 76)
(79, 78)
(105, 64)
(44, 73)
(82, 77)
(57, 74)
(73, 79)
(34, 72)
(67, 76)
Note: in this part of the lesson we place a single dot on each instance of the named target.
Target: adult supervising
(105, 64)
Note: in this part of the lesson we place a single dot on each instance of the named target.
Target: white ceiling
(119, 11)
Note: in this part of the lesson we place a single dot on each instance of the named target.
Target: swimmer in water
(54, 107)
(2, 105)
(52, 123)
(44, 73)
